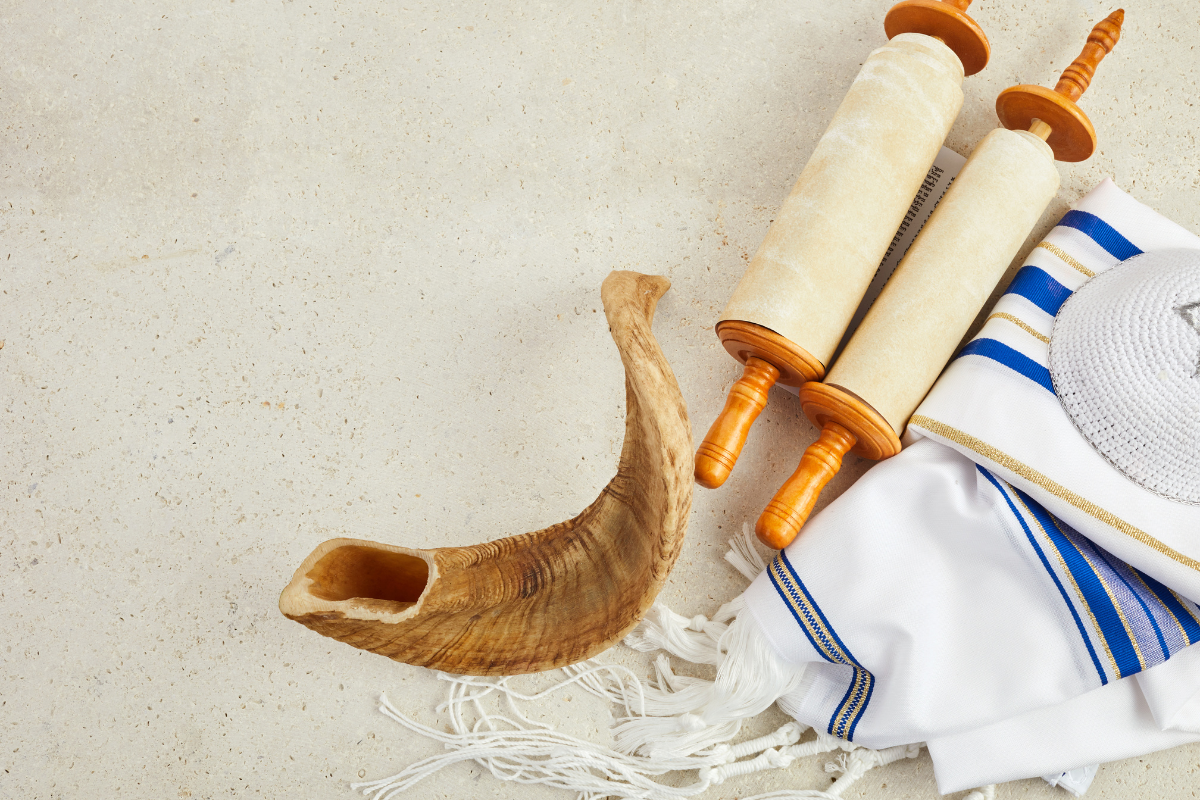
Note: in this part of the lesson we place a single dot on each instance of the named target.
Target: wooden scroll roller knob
(721, 447)
(769, 359)
(848, 425)
(1052, 113)
(945, 20)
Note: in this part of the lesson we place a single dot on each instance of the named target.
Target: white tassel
(781, 758)
(743, 555)
(678, 723)
(688, 716)
(515, 748)
(984, 793)
(1075, 781)
(861, 760)
(512, 750)
(700, 714)
(695, 639)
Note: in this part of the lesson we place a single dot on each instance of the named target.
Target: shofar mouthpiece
(539, 600)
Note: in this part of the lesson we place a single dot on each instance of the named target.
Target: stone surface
(274, 272)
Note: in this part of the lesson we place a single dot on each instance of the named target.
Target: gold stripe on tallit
(1061, 492)
(1058, 251)
(1020, 324)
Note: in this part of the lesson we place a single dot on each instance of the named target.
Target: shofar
(539, 600)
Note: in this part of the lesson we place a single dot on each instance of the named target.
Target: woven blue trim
(1053, 575)
(1101, 233)
(1014, 360)
(1137, 595)
(1036, 286)
(1104, 609)
(1187, 620)
(825, 641)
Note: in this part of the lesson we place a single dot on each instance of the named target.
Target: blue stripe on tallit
(1101, 233)
(1103, 607)
(1040, 288)
(1137, 595)
(825, 641)
(1126, 608)
(1014, 360)
(1087, 641)
(1036, 286)
(1186, 618)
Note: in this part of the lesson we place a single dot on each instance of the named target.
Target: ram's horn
(539, 600)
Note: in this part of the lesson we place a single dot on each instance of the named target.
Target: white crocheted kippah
(1125, 362)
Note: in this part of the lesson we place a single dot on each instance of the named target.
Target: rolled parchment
(914, 326)
(912, 329)
(819, 255)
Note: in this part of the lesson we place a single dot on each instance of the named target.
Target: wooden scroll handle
(769, 358)
(783, 517)
(1100, 42)
(721, 447)
(1051, 113)
(848, 424)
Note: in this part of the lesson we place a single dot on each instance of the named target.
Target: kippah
(1125, 363)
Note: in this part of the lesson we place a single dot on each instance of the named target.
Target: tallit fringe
(697, 639)
(983, 793)
(743, 555)
(678, 723)
(687, 715)
(515, 748)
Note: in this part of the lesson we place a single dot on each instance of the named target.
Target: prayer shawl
(997, 590)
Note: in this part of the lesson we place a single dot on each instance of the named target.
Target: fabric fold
(1106, 724)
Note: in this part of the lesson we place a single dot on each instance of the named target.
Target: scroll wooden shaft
(1040, 129)
(848, 424)
(725, 439)
(790, 507)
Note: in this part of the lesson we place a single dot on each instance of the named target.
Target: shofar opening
(357, 579)
(368, 573)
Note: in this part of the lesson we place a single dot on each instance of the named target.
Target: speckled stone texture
(275, 272)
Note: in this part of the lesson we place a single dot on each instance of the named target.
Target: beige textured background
(277, 271)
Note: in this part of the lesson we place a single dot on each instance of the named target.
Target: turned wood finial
(1052, 113)
(945, 20)
(725, 439)
(1100, 42)
(848, 425)
(783, 517)
(769, 359)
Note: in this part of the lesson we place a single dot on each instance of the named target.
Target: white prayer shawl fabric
(1145, 542)
(999, 590)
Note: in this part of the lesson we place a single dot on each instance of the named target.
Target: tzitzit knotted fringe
(654, 736)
